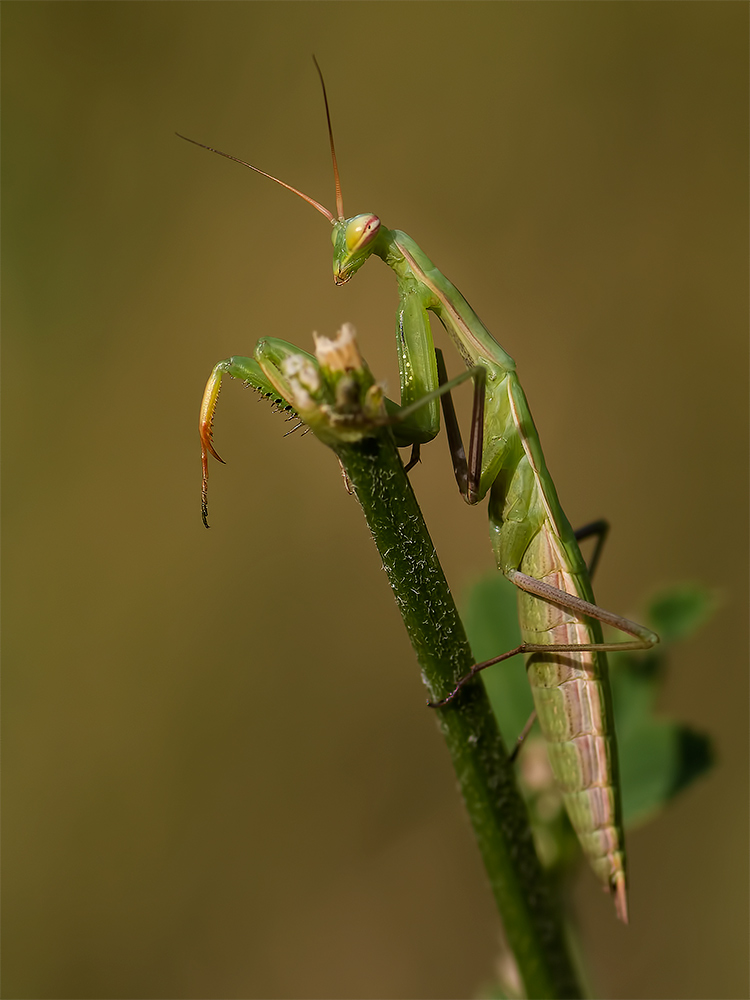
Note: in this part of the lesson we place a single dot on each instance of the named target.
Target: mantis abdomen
(573, 705)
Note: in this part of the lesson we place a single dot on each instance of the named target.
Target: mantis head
(353, 242)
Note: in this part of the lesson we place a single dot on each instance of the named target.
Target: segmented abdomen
(573, 704)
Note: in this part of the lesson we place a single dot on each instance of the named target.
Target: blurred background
(220, 776)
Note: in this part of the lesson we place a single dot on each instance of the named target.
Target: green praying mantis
(533, 542)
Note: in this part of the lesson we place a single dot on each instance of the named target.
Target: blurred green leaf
(659, 757)
(675, 613)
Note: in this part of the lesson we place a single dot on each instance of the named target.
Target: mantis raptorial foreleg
(262, 373)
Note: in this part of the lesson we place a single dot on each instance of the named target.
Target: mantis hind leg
(596, 529)
(643, 638)
(521, 739)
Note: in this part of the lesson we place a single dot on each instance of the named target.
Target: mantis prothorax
(533, 542)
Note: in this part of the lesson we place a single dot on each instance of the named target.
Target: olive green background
(220, 776)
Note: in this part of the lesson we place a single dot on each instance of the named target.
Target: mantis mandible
(533, 542)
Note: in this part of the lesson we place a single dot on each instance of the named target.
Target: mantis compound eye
(360, 231)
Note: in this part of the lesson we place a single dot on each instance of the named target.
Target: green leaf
(659, 757)
(675, 613)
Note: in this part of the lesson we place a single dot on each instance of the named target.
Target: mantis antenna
(305, 197)
(337, 180)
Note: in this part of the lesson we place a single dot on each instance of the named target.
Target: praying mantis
(533, 543)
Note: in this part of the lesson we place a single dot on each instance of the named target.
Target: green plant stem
(498, 814)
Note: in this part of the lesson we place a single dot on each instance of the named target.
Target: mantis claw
(207, 445)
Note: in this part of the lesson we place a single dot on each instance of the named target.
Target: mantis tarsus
(533, 542)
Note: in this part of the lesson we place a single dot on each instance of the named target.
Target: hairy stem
(532, 923)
